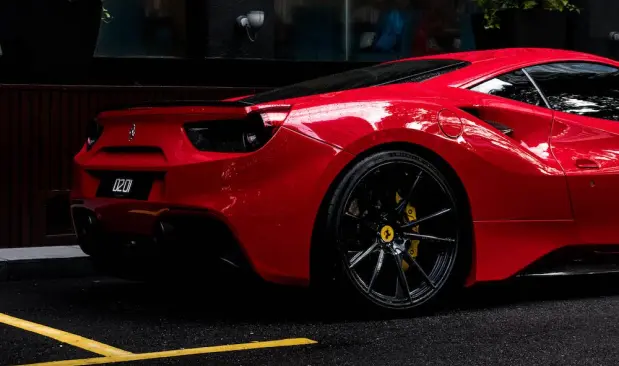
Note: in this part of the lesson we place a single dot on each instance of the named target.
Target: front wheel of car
(399, 229)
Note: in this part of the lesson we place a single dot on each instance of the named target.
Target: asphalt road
(550, 322)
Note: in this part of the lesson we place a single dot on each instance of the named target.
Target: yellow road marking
(182, 352)
(59, 335)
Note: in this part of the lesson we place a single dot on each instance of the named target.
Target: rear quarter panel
(503, 180)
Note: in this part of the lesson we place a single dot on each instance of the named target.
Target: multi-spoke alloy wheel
(396, 224)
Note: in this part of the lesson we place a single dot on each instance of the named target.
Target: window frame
(524, 71)
(571, 61)
(523, 68)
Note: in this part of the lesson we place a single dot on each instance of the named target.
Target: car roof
(486, 63)
(478, 65)
(522, 54)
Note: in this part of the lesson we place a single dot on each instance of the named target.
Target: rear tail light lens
(242, 135)
(273, 119)
(93, 132)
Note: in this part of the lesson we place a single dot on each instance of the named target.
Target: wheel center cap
(387, 234)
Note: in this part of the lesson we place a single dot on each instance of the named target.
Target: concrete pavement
(43, 262)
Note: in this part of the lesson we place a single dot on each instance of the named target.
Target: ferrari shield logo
(132, 132)
(386, 233)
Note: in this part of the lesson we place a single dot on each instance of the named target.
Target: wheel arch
(319, 250)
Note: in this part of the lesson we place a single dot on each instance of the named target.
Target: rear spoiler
(274, 113)
(177, 103)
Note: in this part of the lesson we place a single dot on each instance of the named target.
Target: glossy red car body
(551, 185)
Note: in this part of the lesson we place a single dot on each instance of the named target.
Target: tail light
(238, 135)
(93, 132)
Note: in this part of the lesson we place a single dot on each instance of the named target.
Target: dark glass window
(370, 30)
(143, 28)
(514, 85)
(582, 88)
(306, 30)
(387, 73)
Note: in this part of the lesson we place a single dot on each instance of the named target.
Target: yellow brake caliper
(411, 215)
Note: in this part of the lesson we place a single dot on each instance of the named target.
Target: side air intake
(501, 127)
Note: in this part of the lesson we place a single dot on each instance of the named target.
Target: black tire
(453, 256)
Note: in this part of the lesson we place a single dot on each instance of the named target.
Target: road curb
(44, 263)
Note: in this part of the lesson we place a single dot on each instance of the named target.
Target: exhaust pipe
(230, 263)
(163, 232)
(86, 224)
(165, 228)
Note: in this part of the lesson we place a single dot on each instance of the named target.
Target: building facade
(63, 60)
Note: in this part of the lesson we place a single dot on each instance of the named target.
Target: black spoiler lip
(178, 103)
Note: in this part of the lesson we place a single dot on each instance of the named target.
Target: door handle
(587, 164)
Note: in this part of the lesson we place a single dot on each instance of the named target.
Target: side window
(514, 85)
(582, 88)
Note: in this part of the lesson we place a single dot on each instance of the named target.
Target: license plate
(126, 185)
(122, 186)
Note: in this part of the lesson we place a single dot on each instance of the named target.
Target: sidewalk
(44, 262)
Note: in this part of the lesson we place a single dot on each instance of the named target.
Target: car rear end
(198, 183)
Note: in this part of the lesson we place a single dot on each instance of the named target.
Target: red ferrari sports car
(402, 181)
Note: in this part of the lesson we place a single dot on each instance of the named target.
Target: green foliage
(491, 8)
(106, 17)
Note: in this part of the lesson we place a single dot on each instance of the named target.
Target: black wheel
(398, 228)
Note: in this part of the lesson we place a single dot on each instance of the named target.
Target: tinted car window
(397, 72)
(580, 87)
(514, 85)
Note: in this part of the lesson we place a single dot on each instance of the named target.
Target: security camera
(242, 21)
(251, 22)
(256, 19)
